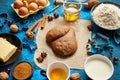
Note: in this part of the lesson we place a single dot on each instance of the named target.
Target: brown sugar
(22, 70)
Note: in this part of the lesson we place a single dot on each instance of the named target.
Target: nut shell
(30, 34)
(4, 76)
(18, 4)
(75, 76)
(23, 11)
(14, 28)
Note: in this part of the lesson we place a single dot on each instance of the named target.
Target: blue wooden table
(28, 50)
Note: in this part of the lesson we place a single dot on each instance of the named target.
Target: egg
(32, 6)
(17, 4)
(29, 1)
(41, 2)
(23, 11)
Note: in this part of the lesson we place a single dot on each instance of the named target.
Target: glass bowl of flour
(106, 15)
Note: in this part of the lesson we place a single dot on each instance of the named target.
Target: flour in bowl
(107, 16)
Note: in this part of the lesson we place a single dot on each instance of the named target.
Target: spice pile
(22, 71)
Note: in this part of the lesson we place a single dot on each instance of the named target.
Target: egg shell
(18, 4)
(42, 2)
(23, 11)
(29, 11)
(33, 6)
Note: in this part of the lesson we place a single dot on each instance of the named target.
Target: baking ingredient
(4, 76)
(30, 34)
(58, 2)
(91, 3)
(107, 16)
(22, 70)
(6, 50)
(42, 2)
(98, 69)
(56, 15)
(58, 74)
(50, 18)
(45, 16)
(90, 27)
(10, 22)
(23, 11)
(17, 4)
(33, 6)
(56, 7)
(62, 40)
(7, 70)
(14, 28)
(115, 60)
(75, 76)
(41, 57)
(29, 1)
(71, 12)
(43, 54)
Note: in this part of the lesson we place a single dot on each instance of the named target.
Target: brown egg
(17, 4)
(33, 6)
(42, 2)
(23, 11)
(29, 1)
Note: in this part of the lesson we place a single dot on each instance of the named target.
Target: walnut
(14, 28)
(30, 34)
(4, 76)
(75, 76)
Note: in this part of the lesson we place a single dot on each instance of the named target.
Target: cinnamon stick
(39, 24)
(55, 8)
(44, 20)
(34, 24)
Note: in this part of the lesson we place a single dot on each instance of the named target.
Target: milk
(98, 69)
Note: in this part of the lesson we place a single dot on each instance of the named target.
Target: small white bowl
(98, 67)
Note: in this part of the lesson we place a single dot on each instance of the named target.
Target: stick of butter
(6, 50)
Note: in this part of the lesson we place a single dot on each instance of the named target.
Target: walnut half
(75, 76)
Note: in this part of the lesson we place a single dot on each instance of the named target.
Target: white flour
(107, 16)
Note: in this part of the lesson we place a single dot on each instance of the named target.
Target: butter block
(6, 50)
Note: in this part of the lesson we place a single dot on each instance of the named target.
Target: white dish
(98, 67)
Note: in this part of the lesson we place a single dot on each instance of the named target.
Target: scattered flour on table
(107, 16)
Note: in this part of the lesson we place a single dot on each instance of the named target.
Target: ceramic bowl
(22, 71)
(97, 22)
(98, 67)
